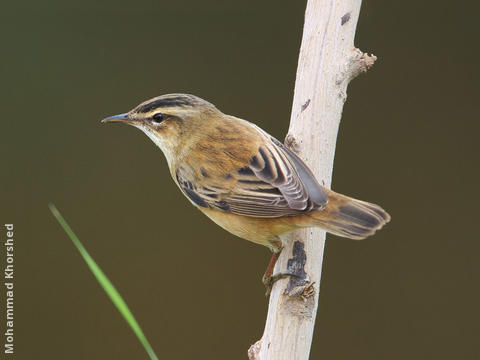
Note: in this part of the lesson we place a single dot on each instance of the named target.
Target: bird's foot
(268, 281)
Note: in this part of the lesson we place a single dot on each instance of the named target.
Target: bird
(244, 179)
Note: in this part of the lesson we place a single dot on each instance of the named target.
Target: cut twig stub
(303, 291)
(292, 143)
(254, 350)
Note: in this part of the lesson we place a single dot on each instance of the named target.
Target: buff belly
(262, 231)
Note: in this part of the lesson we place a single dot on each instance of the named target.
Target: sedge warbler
(244, 179)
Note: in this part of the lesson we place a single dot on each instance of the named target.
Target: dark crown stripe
(166, 102)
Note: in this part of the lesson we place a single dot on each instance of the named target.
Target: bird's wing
(274, 183)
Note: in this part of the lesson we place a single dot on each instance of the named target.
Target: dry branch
(328, 61)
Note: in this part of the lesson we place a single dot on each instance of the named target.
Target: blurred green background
(407, 141)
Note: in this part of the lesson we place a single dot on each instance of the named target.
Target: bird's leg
(268, 278)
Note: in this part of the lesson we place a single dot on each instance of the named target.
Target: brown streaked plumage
(242, 178)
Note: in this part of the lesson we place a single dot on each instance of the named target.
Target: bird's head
(171, 121)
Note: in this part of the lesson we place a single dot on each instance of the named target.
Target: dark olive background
(407, 141)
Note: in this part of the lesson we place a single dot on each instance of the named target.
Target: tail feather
(351, 218)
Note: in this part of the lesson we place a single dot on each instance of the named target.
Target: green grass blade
(112, 293)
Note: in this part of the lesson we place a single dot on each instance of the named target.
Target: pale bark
(328, 61)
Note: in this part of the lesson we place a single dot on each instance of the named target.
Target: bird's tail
(350, 218)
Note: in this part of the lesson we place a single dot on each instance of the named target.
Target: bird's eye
(158, 118)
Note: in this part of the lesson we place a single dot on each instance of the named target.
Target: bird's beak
(117, 118)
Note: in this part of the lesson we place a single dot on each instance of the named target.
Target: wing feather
(274, 183)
